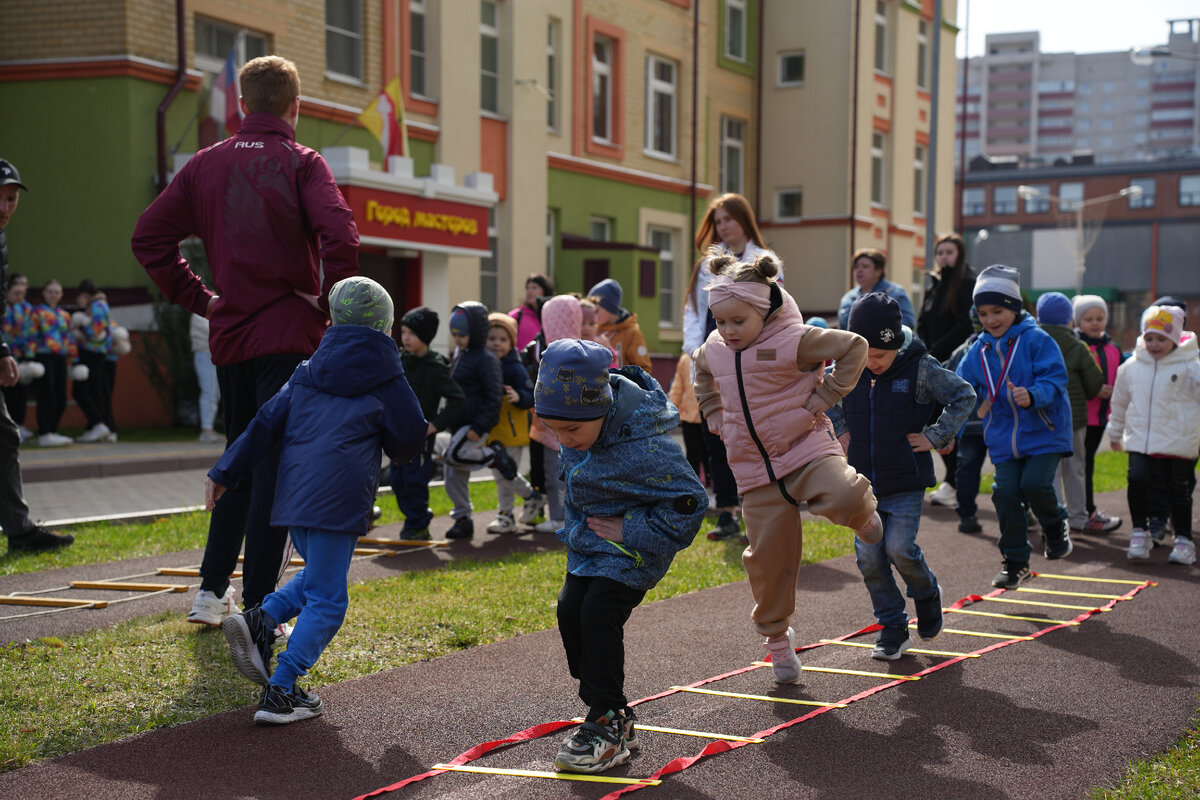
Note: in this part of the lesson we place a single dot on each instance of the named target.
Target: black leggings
(51, 391)
(591, 620)
(1170, 475)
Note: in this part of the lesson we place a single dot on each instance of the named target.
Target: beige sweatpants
(832, 489)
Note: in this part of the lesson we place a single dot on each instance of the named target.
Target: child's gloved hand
(607, 527)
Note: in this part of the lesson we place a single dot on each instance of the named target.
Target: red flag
(223, 105)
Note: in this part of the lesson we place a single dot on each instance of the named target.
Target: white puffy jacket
(695, 314)
(1156, 404)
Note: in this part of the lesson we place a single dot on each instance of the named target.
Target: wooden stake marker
(129, 587)
(51, 602)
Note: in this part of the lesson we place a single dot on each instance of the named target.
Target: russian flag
(223, 105)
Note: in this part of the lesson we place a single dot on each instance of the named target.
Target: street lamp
(1077, 207)
(1144, 56)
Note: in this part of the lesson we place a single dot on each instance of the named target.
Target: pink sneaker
(784, 662)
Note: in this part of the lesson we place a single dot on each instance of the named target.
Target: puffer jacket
(1108, 358)
(756, 397)
(637, 471)
(513, 428)
(1084, 377)
(1009, 431)
(1156, 403)
(626, 338)
(332, 419)
(477, 371)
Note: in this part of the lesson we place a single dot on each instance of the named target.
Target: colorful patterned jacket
(18, 329)
(52, 332)
(96, 336)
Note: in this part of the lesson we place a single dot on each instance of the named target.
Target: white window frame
(782, 81)
(922, 54)
(668, 312)
(252, 45)
(603, 225)
(920, 154)
(1038, 201)
(602, 77)
(417, 12)
(355, 37)
(881, 36)
(735, 8)
(1011, 201)
(878, 168)
(553, 35)
(1148, 196)
(656, 88)
(780, 214)
(487, 31)
(1065, 204)
(1189, 191)
(734, 147)
(974, 201)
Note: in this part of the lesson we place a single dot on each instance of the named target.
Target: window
(789, 205)
(1107, 105)
(489, 56)
(214, 40)
(973, 202)
(1038, 202)
(919, 180)
(1146, 199)
(1189, 190)
(1004, 200)
(1083, 124)
(488, 265)
(922, 54)
(1106, 124)
(1108, 87)
(880, 36)
(663, 240)
(1083, 143)
(735, 29)
(791, 69)
(877, 174)
(1085, 88)
(601, 229)
(552, 36)
(1070, 195)
(417, 83)
(660, 106)
(602, 101)
(733, 148)
(343, 38)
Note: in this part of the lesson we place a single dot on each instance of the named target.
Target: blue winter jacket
(636, 470)
(1009, 431)
(892, 290)
(331, 419)
(477, 370)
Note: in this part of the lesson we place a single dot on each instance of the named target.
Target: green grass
(1175, 775)
(1108, 476)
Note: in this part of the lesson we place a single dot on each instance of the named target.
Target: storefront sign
(410, 219)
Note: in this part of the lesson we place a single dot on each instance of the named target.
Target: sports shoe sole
(245, 655)
(620, 758)
(879, 655)
(297, 714)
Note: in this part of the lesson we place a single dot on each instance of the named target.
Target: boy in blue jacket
(632, 503)
(331, 419)
(885, 423)
(1018, 373)
(465, 446)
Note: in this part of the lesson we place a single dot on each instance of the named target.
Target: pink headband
(756, 295)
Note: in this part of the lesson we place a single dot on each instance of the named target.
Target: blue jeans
(317, 596)
(971, 453)
(410, 484)
(901, 515)
(1022, 480)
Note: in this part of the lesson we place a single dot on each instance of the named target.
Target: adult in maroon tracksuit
(271, 218)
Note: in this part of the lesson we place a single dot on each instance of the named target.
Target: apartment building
(1041, 107)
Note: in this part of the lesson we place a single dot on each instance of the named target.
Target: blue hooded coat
(1012, 432)
(635, 470)
(477, 370)
(331, 419)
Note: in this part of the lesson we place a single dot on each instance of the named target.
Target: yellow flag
(384, 118)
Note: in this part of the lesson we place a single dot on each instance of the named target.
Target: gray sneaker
(1184, 552)
(1139, 545)
(595, 747)
(278, 706)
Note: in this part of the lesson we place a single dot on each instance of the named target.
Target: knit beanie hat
(1167, 320)
(561, 318)
(817, 322)
(608, 294)
(1053, 308)
(1086, 302)
(460, 323)
(999, 285)
(498, 320)
(876, 317)
(422, 321)
(1172, 300)
(572, 382)
(361, 301)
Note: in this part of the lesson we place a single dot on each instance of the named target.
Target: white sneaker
(111, 436)
(1184, 552)
(503, 523)
(283, 632)
(208, 609)
(54, 440)
(944, 495)
(534, 504)
(210, 437)
(98, 433)
(26, 434)
(1139, 545)
(785, 665)
(549, 526)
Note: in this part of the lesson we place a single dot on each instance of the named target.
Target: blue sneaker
(891, 644)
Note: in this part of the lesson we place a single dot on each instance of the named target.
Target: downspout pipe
(160, 115)
(856, 16)
(695, 121)
(758, 115)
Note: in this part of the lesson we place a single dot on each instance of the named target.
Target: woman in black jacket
(945, 323)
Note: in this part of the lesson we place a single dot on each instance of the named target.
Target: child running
(781, 445)
(1018, 372)
(1155, 405)
(632, 503)
(331, 420)
(885, 423)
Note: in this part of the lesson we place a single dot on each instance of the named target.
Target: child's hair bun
(767, 266)
(720, 261)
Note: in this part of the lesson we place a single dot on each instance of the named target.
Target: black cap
(9, 174)
(876, 317)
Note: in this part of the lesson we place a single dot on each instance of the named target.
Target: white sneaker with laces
(208, 609)
(944, 495)
(503, 523)
(534, 504)
(549, 526)
(785, 665)
(54, 440)
(1139, 545)
(283, 632)
(97, 433)
(210, 437)
(1184, 552)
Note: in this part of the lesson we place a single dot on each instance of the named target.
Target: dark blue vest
(879, 418)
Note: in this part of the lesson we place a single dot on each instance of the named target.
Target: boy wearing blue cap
(331, 420)
(632, 503)
(619, 324)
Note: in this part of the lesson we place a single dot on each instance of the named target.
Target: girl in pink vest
(761, 388)
(1091, 317)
